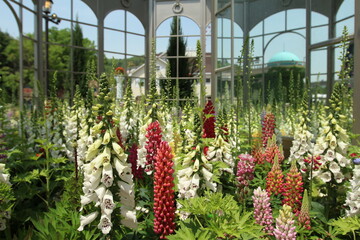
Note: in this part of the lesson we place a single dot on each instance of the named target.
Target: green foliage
(6, 198)
(216, 215)
(287, 89)
(343, 226)
(61, 222)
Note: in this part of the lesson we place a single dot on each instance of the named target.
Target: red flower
(120, 142)
(315, 163)
(268, 128)
(209, 121)
(293, 188)
(205, 150)
(119, 70)
(152, 144)
(136, 170)
(164, 196)
(275, 179)
(272, 150)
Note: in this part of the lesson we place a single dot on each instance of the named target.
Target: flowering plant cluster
(200, 182)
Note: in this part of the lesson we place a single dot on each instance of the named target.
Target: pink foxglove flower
(262, 210)
(164, 196)
(285, 228)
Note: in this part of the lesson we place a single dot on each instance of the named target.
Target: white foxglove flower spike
(85, 220)
(107, 175)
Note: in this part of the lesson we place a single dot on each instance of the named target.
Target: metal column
(356, 104)
(246, 49)
(21, 62)
(100, 17)
(203, 50)
(330, 52)
(39, 84)
(214, 51)
(232, 85)
(149, 38)
(308, 40)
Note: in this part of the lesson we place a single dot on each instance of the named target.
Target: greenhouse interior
(183, 119)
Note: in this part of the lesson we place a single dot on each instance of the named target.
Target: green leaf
(346, 225)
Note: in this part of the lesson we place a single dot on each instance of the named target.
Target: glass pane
(257, 46)
(164, 28)
(133, 24)
(318, 84)
(189, 27)
(296, 18)
(89, 33)
(28, 3)
(138, 86)
(224, 27)
(115, 19)
(292, 45)
(208, 45)
(28, 22)
(319, 61)
(223, 85)
(135, 65)
(346, 9)
(318, 19)
(275, 23)
(83, 13)
(113, 60)
(28, 58)
(7, 21)
(257, 30)
(62, 8)
(114, 41)
(162, 45)
(319, 34)
(61, 36)
(238, 46)
(135, 44)
(191, 45)
(349, 23)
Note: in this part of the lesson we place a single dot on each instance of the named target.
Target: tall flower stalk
(304, 215)
(164, 196)
(293, 188)
(262, 210)
(285, 227)
(268, 127)
(105, 169)
(275, 179)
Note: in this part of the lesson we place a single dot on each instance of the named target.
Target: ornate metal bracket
(177, 8)
(286, 3)
(126, 3)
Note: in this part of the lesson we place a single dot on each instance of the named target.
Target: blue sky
(114, 41)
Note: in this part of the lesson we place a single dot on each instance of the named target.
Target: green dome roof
(283, 59)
